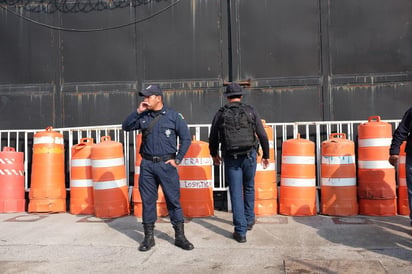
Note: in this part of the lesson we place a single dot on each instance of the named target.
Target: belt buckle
(156, 159)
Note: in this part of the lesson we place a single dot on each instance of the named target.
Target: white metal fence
(22, 141)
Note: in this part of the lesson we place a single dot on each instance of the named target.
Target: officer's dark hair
(234, 96)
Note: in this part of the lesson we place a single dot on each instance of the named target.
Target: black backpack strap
(147, 131)
(249, 117)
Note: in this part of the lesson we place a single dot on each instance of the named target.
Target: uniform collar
(162, 111)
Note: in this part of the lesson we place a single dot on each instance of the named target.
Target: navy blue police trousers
(153, 174)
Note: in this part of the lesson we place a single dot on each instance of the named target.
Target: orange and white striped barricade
(11, 181)
(47, 188)
(338, 177)
(376, 177)
(110, 189)
(81, 180)
(403, 205)
(196, 183)
(266, 192)
(298, 178)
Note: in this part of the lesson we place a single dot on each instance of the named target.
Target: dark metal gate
(80, 63)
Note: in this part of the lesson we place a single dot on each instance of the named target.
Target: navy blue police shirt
(162, 139)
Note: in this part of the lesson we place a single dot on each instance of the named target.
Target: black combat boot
(148, 241)
(180, 239)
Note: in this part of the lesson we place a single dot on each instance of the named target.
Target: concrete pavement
(65, 243)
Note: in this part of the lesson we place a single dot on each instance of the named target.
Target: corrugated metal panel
(370, 36)
(27, 106)
(275, 39)
(184, 43)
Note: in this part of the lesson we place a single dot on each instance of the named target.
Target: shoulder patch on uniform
(181, 116)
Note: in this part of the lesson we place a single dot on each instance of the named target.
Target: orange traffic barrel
(403, 205)
(196, 183)
(47, 188)
(376, 177)
(161, 206)
(298, 178)
(338, 176)
(110, 189)
(265, 180)
(81, 181)
(11, 181)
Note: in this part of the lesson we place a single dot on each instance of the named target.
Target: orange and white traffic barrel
(338, 177)
(48, 188)
(196, 183)
(265, 180)
(137, 199)
(110, 189)
(11, 181)
(81, 181)
(161, 206)
(298, 178)
(403, 205)
(376, 177)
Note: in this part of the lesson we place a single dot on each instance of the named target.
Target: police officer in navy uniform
(160, 127)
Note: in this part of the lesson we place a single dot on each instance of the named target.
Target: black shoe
(250, 226)
(183, 243)
(147, 243)
(180, 238)
(239, 238)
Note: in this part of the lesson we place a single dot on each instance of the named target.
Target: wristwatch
(177, 161)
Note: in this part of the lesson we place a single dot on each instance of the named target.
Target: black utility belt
(157, 159)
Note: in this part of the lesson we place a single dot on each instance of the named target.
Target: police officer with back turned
(235, 127)
(160, 127)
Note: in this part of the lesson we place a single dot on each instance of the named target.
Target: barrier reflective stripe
(271, 167)
(108, 162)
(196, 183)
(48, 140)
(375, 142)
(338, 160)
(137, 171)
(402, 181)
(109, 184)
(81, 183)
(81, 162)
(402, 159)
(298, 182)
(301, 160)
(6, 161)
(374, 164)
(338, 181)
(196, 161)
(11, 172)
